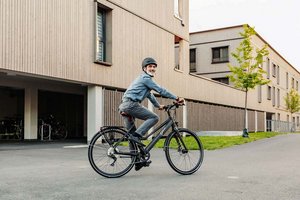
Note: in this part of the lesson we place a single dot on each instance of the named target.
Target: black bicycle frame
(164, 126)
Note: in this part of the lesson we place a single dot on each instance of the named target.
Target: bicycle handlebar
(167, 108)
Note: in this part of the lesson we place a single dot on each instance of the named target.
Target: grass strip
(219, 142)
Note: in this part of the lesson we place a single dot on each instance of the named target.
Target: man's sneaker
(138, 166)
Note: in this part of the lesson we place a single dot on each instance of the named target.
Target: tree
(292, 101)
(249, 73)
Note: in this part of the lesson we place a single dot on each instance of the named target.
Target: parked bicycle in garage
(11, 128)
(51, 128)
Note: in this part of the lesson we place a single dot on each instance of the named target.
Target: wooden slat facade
(112, 100)
(260, 121)
(55, 39)
(201, 116)
(207, 117)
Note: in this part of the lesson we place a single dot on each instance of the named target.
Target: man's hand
(161, 107)
(180, 100)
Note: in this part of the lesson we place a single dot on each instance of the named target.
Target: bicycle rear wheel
(184, 151)
(109, 153)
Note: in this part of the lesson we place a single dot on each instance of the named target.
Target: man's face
(150, 69)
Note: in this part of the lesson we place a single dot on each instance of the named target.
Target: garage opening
(63, 112)
(11, 113)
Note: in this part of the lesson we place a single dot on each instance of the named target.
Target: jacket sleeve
(153, 86)
(153, 100)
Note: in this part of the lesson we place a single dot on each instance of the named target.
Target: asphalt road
(262, 170)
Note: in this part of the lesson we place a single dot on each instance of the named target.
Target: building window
(274, 69)
(224, 80)
(278, 75)
(293, 83)
(287, 80)
(278, 116)
(259, 93)
(100, 35)
(297, 85)
(278, 97)
(273, 96)
(178, 52)
(298, 121)
(193, 60)
(269, 92)
(103, 34)
(294, 121)
(220, 54)
(268, 68)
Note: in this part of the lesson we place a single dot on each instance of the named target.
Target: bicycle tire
(61, 133)
(46, 133)
(100, 149)
(174, 148)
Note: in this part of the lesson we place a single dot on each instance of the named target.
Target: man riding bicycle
(131, 107)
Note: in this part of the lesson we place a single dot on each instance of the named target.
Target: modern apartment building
(74, 60)
(210, 53)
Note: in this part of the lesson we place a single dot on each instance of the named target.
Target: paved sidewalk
(267, 169)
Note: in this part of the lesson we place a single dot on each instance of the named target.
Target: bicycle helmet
(148, 61)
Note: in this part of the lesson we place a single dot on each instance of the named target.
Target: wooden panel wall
(161, 14)
(251, 120)
(201, 116)
(163, 115)
(207, 117)
(260, 121)
(54, 39)
(112, 100)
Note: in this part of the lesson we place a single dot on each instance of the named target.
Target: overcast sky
(277, 21)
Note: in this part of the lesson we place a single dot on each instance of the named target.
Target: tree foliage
(292, 101)
(248, 73)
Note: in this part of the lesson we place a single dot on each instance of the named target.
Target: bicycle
(52, 129)
(113, 154)
(11, 128)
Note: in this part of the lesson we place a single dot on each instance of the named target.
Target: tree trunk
(292, 123)
(245, 131)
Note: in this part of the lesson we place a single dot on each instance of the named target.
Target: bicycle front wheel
(184, 151)
(110, 153)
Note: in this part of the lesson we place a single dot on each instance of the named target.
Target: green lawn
(219, 142)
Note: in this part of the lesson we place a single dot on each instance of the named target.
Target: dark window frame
(269, 92)
(224, 80)
(259, 90)
(219, 59)
(194, 60)
(106, 57)
(268, 68)
(274, 70)
(278, 97)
